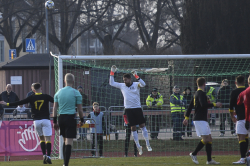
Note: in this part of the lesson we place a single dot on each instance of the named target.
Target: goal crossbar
(148, 57)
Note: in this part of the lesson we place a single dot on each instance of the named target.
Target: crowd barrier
(18, 137)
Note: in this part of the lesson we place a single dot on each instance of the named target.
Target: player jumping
(132, 104)
(41, 115)
(200, 104)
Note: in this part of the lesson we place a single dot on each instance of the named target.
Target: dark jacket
(29, 94)
(223, 96)
(188, 97)
(9, 98)
(177, 102)
(85, 101)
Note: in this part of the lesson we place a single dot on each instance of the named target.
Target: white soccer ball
(49, 4)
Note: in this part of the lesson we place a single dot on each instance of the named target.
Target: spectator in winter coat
(223, 96)
(188, 96)
(154, 102)
(85, 102)
(9, 97)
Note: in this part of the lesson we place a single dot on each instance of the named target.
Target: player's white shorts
(202, 128)
(240, 127)
(43, 127)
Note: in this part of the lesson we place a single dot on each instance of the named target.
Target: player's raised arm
(141, 82)
(24, 101)
(112, 79)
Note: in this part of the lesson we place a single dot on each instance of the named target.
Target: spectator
(85, 102)
(177, 104)
(224, 97)
(188, 96)
(98, 117)
(9, 97)
(211, 94)
(23, 109)
(154, 102)
(128, 133)
(31, 92)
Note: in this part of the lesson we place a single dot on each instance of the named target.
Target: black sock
(209, 151)
(198, 148)
(48, 145)
(42, 144)
(67, 154)
(247, 144)
(243, 149)
(64, 147)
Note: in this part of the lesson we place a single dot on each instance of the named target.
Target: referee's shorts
(67, 125)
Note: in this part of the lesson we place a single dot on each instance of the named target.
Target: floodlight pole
(47, 48)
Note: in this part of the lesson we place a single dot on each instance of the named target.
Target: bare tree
(17, 15)
(72, 15)
(158, 23)
(216, 27)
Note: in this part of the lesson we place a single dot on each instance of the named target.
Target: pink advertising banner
(19, 138)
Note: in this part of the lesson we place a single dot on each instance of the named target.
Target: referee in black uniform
(200, 104)
(241, 131)
(65, 101)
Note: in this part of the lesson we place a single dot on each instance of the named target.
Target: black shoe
(80, 138)
(248, 154)
(135, 155)
(48, 160)
(44, 159)
(178, 139)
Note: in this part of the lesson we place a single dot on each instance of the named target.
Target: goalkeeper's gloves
(135, 74)
(247, 125)
(113, 70)
(153, 103)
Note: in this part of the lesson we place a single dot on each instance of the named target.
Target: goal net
(163, 72)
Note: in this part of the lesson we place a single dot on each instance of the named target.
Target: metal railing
(114, 116)
(96, 145)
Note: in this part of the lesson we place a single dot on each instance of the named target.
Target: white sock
(135, 136)
(145, 135)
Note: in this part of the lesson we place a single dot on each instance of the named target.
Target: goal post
(158, 71)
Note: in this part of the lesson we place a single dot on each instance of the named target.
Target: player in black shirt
(40, 112)
(240, 121)
(201, 105)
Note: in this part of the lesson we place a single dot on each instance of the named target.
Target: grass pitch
(129, 161)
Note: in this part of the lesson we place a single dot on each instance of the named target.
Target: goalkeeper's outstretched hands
(134, 72)
(113, 70)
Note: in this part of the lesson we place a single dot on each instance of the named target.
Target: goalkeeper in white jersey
(132, 104)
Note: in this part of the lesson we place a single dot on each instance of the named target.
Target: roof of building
(28, 61)
(32, 61)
